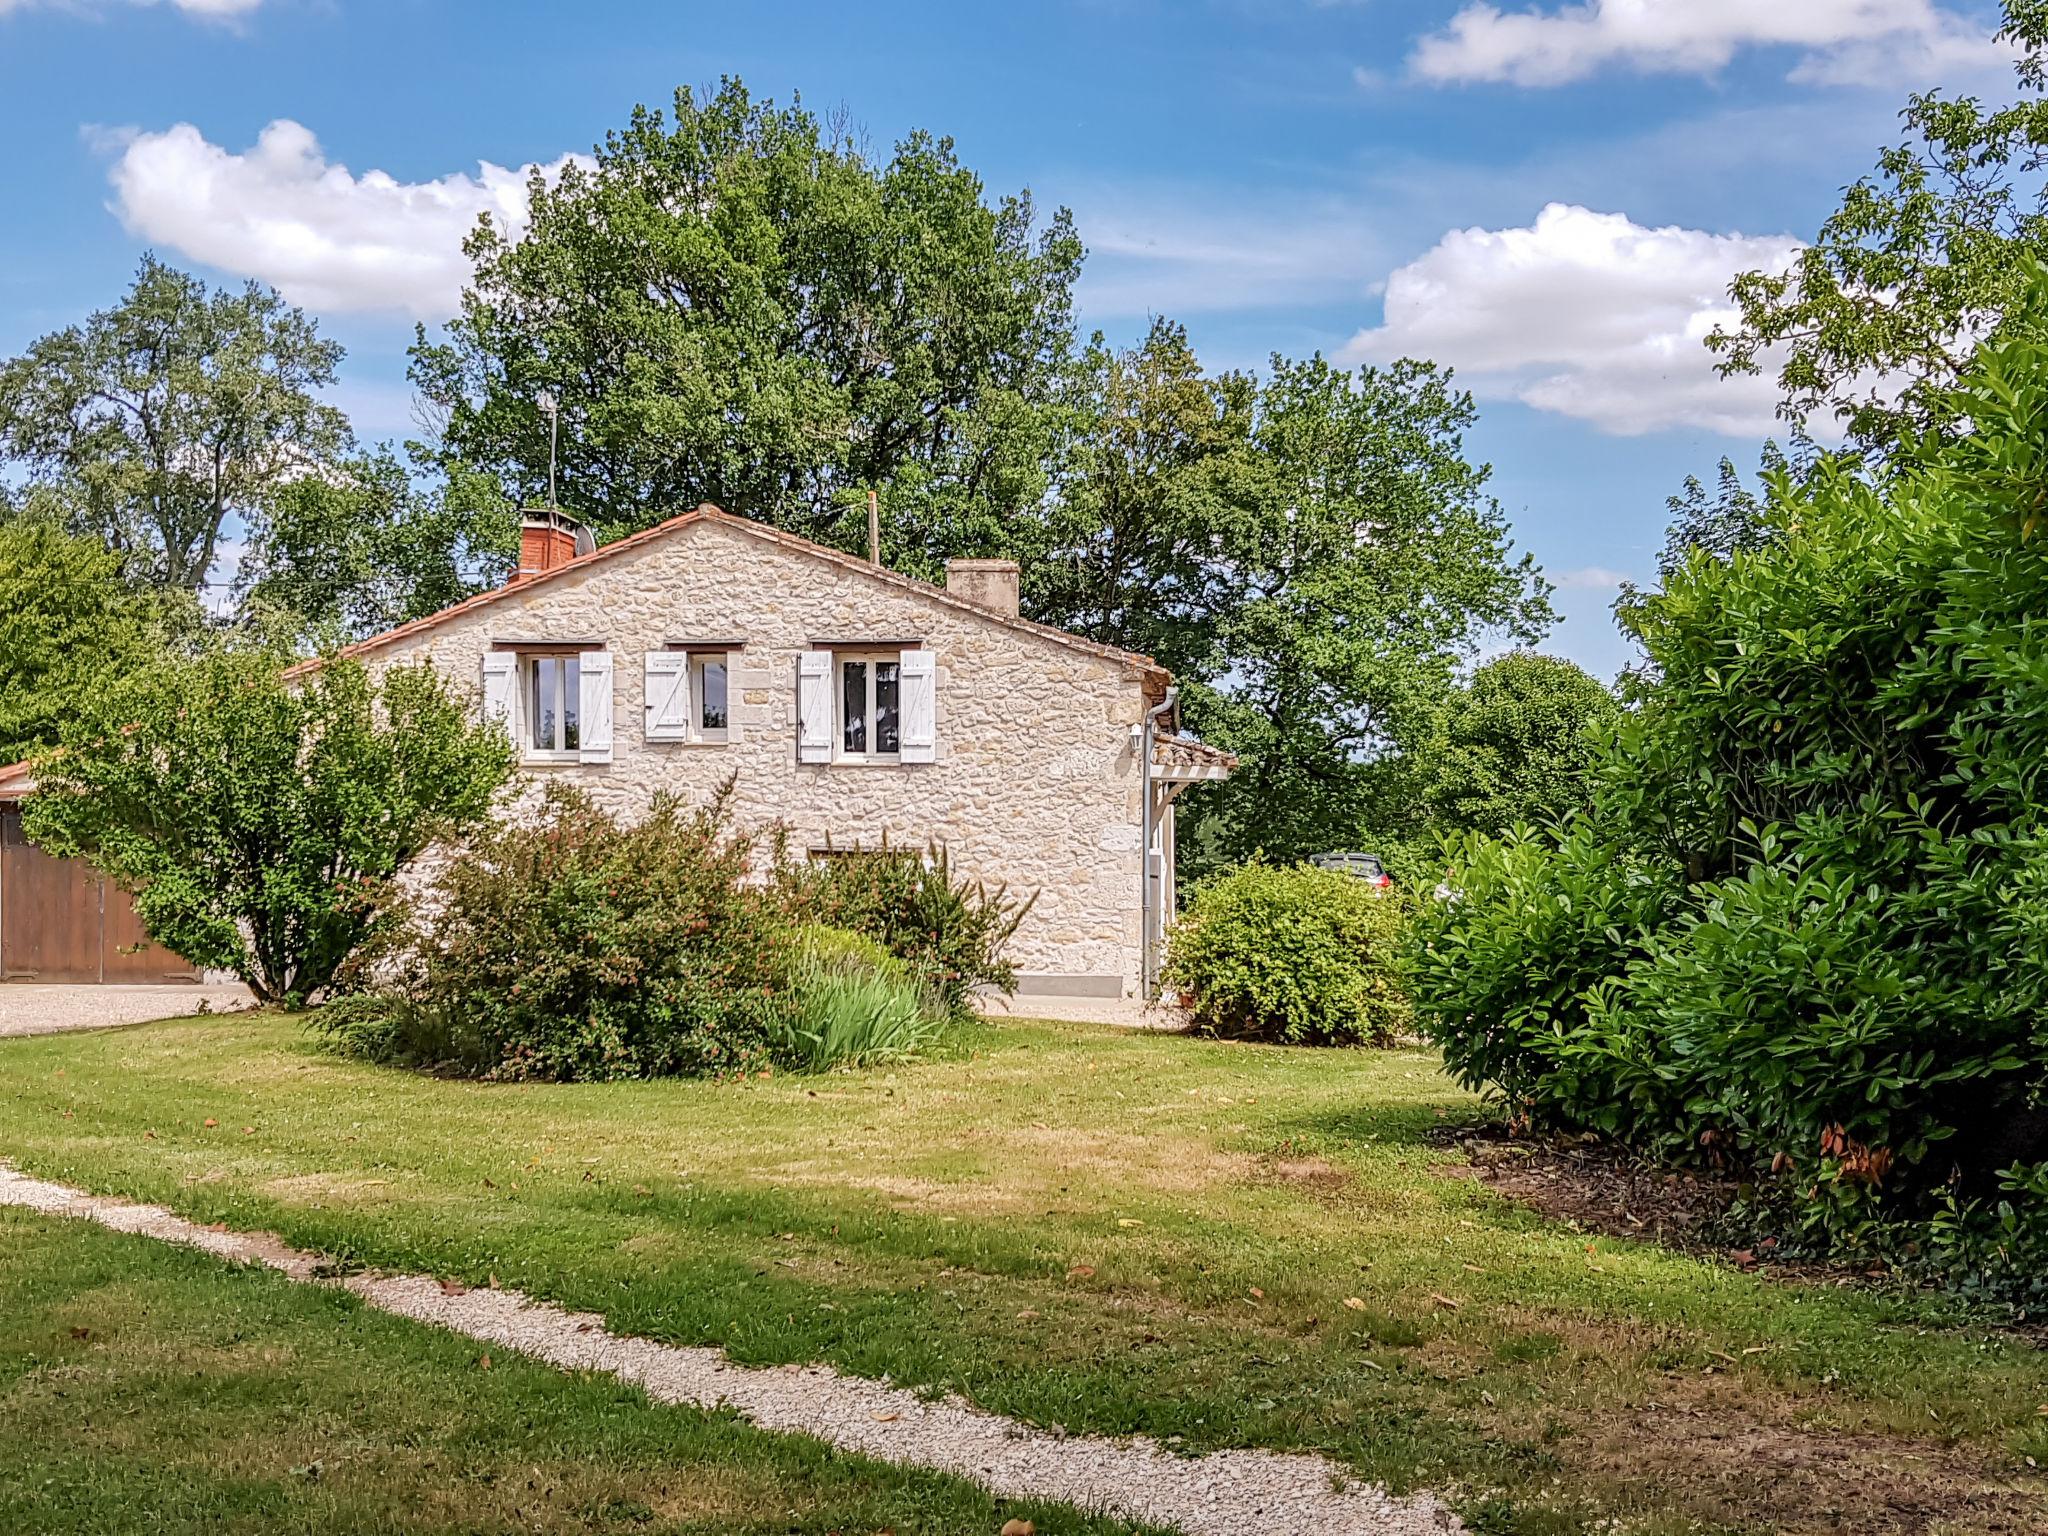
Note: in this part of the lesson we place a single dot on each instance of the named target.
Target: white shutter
(814, 707)
(594, 707)
(501, 684)
(668, 695)
(917, 732)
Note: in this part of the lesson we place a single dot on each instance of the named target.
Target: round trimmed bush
(1302, 956)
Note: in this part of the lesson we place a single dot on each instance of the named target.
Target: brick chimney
(549, 537)
(990, 584)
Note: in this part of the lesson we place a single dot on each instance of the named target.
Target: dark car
(1365, 866)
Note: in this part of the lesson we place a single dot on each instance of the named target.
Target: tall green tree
(1720, 523)
(738, 303)
(1872, 325)
(1373, 569)
(69, 624)
(363, 545)
(158, 419)
(1159, 474)
(256, 817)
(1313, 554)
(1518, 743)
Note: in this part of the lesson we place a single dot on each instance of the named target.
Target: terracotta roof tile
(14, 777)
(1186, 752)
(711, 514)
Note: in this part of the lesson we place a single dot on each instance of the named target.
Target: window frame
(871, 657)
(530, 658)
(694, 729)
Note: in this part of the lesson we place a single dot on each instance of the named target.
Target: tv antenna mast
(547, 402)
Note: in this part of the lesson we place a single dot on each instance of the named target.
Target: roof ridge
(705, 512)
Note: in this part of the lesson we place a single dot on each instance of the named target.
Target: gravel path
(1227, 1493)
(48, 1008)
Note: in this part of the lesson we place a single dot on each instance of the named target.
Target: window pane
(853, 691)
(886, 693)
(542, 691)
(572, 700)
(711, 694)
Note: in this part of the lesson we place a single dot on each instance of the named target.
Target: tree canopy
(740, 304)
(365, 544)
(69, 623)
(1354, 565)
(1876, 318)
(159, 418)
(1518, 743)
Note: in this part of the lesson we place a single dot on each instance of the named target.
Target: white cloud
(320, 235)
(209, 10)
(1586, 314)
(1841, 42)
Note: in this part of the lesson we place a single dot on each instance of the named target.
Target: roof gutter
(1148, 967)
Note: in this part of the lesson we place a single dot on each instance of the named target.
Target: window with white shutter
(689, 696)
(501, 688)
(882, 706)
(558, 701)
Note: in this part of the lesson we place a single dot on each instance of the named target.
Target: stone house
(849, 703)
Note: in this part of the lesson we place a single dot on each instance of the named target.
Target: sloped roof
(15, 781)
(707, 513)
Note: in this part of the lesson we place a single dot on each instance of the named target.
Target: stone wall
(1035, 784)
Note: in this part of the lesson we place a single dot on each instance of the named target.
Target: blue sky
(1549, 196)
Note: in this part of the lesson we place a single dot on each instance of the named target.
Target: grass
(151, 1389)
(1110, 1231)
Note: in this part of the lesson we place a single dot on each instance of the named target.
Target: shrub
(1300, 955)
(1804, 929)
(576, 946)
(951, 933)
(258, 817)
(845, 950)
(1504, 966)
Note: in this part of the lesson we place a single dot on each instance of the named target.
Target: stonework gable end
(851, 704)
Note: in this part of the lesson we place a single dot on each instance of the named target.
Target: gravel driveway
(35, 1008)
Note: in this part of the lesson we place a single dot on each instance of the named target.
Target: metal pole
(874, 531)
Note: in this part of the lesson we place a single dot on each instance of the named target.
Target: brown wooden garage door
(60, 920)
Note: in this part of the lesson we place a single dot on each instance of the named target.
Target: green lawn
(1106, 1230)
(146, 1389)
